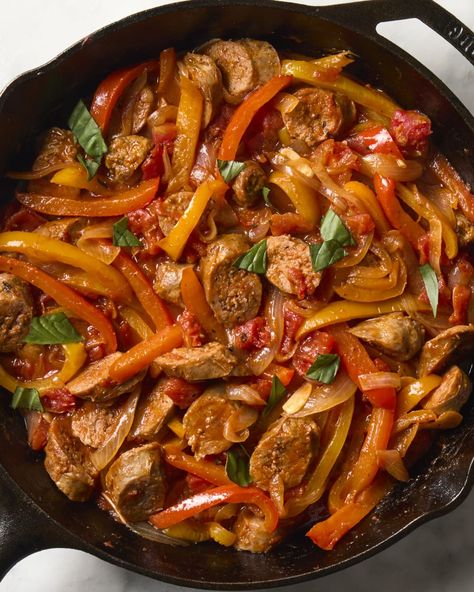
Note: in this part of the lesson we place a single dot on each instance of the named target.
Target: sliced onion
(298, 399)
(358, 253)
(103, 455)
(379, 380)
(390, 166)
(391, 461)
(90, 242)
(236, 426)
(276, 489)
(259, 232)
(244, 393)
(37, 174)
(211, 232)
(258, 362)
(285, 103)
(337, 195)
(328, 396)
(444, 199)
(167, 167)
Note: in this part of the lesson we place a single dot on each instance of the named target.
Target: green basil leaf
(26, 398)
(431, 284)
(123, 237)
(89, 137)
(276, 395)
(325, 254)
(255, 259)
(52, 329)
(324, 368)
(237, 467)
(333, 228)
(265, 193)
(229, 169)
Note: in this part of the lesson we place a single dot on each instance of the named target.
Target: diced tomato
(144, 223)
(37, 428)
(196, 484)
(153, 165)
(410, 130)
(289, 223)
(58, 400)
(22, 219)
(461, 299)
(94, 344)
(263, 386)
(262, 134)
(181, 392)
(193, 332)
(251, 217)
(359, 224)
(337, 156)
(374, 139)
(253, 334)
(443, 291)
(381, 365)
(292, 322)
(314, 344)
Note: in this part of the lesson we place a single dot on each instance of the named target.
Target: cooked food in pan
(236, 292)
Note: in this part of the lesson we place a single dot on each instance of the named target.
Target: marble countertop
(438, 556)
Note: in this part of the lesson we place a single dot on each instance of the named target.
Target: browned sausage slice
(251, 534)
(264, 57)
(68, 461)
(153, 411)
(202, 70)
(93, 424)
(136, 483)
(58, 147)
(451, 394)
(125, 155)
(464, 230)
(16, 312)
(172, 208)
(248, 184)
(449, 346)
(167, 282)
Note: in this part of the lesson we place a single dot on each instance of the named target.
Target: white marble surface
(438, 556)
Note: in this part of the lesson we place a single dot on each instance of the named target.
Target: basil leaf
(237, 467)
(26, 398)
(431, 284)
(89, 137)
(324, 368)
(333, 228)
(325, 254)
(276, 395)
(229, 169)
(123, 237)
(52, 329)
(255, 259)
(265, 193)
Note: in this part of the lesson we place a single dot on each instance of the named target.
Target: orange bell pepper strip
(175, 241)
(230, 494)
(246, 111)
(142, 354)
(284, 374)
(64, 296)
(117, 204)
(151, 302)
(205, 469)
(188, 126)
(357, 361)
(398, 218)
(111, 89)
(195, 301)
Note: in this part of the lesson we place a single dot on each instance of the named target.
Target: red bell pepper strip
(148, 298)
(114, 205)
(461, 298)
(246, 111)
(398, 218)
(374, 139)
(230, 494)
(64, 296)
(205, 469)
(111, 88)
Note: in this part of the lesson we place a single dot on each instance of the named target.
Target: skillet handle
(24, 528)
(370, 13)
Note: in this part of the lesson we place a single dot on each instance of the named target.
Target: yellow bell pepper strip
(205, 469)
(339, 422)
(366, 195)
(221, 535)
(148, 298)
(175, 241)
(74, 358)
(195, 301)
(303, 197)
(64, 296)
(246, 111)
(76, 176)
(188, 126)
(344, 310)
(117, 204)
(212, 497)
(176, 427)
(309, 72)
(412, 394)
(140, 356)
(430, 211)
(37, 245)
(327, 533)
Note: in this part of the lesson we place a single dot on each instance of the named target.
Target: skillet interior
(38, 99)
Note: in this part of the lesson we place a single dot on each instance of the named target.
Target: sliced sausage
(233, 294)
(452, 393)
(16, 312)
(289, 266)
(251, 533)
(210, 361)
(93, 424)
(153, 411)
(168, 281)
(248, 184)
(68, 461)
(464, 230)
(58, 147)
(284, 452)
(319, 114)
(94, 383)
(125, 155)
(395, 335)
(142, 109)
(202, 70)
(172, 208)
(449, 346)
(136, 483)
(264, 57)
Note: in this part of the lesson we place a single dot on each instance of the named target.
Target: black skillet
(34, 515)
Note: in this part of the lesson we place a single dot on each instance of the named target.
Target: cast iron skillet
(34, 515)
